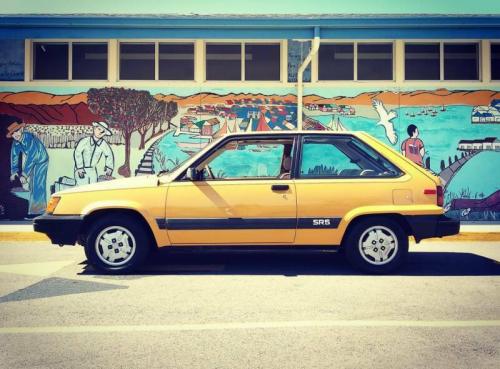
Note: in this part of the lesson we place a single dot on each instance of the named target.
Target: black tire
(132, 233)
(359, 250)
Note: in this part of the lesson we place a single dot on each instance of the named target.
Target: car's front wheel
(376, 245)
(116, 245)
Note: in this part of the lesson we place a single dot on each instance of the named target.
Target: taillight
(438, 191)
(440, 195)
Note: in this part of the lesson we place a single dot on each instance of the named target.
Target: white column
(199, 61)
(28, 71)
(113, 61)
(399, 61)
(485, 57)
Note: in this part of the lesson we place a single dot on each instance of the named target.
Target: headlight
(51, 206)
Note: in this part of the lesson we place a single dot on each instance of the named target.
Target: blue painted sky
(253, 7)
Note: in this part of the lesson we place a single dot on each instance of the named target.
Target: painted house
(209, 127)
(149, 75)
(488, 143)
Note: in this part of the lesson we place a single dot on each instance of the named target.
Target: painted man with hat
(34, 167)
(88, 153)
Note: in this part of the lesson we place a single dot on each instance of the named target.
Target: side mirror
(192, 174)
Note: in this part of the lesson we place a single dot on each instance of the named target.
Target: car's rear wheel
(376, 245)
(117, 244)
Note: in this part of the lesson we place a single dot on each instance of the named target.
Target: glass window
(137, 61)
(11, 60)
(223, 62)
(337, 157)
(495, 62)
(250, 159)
(262, 62)
(422, 61)
(176, 61)
(461, 61)
(375, 61)
(90, 61)
(336, 62)
(50, 60)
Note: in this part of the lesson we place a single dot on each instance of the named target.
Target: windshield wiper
(163, 171)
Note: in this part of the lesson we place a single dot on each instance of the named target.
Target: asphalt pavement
(288, 309)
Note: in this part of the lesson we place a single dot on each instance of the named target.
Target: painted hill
(46, 108)
(50, 114)
(212, 98)
(38, 98)
(419, 97)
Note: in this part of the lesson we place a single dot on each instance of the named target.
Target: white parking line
(252, 325)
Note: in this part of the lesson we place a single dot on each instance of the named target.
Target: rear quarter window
(342, 157)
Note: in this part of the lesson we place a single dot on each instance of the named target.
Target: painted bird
(385, 120)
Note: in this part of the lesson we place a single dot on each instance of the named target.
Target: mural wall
(56, 138)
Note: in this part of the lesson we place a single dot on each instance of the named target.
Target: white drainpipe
(300, 73)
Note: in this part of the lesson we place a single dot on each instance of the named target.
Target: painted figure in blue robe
(34, 167)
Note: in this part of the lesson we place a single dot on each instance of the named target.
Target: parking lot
(250, 310)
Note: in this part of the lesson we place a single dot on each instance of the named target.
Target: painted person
(413, 147)
(88, 153)
(34, 167)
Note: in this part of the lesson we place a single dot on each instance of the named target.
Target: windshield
(184, 162)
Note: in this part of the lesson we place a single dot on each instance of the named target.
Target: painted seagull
(385, 120)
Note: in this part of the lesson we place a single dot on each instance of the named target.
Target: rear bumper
(428, 226)
(61, 229)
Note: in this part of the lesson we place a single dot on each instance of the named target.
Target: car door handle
(280, 187)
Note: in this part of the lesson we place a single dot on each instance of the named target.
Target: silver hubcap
(378, 245)
(115, 245)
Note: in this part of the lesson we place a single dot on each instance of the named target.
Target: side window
(340, 157)
(249, 159)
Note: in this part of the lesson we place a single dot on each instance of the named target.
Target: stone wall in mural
(53, 141)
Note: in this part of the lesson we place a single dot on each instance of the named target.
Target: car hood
(115, 184)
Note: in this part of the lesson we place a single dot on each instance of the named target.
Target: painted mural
(56, 138)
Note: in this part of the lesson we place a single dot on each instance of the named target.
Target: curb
(462, 237)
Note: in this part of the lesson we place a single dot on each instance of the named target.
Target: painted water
(169, 153)
(440, 133)
(477, 179)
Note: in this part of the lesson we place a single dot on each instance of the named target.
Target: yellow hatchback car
(279, 189)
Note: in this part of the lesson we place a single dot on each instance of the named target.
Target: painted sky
(254, 7)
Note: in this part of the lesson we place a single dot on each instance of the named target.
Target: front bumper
(61, 229)
(428, 226)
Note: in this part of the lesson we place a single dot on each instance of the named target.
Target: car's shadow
(295, 263)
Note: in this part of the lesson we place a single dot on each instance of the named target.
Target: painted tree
(160, 112)
(147, 120)
(123, 109)
(172, 110)
(157, 113)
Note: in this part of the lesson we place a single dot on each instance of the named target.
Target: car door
(244, 195)
(335, 175)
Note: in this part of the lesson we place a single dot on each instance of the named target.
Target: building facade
(163, 87)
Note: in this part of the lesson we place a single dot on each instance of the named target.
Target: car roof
(288, 133)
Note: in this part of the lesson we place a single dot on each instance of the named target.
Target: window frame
(157, 60)
(298, 160)
(441, 60)
(69, 42)
(491, 43)
(355, 79)
(354, 58)
(441, 43)
(295, 143)
(156, 43)
(278, 42)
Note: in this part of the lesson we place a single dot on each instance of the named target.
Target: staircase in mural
(447, 173)
(146, 166)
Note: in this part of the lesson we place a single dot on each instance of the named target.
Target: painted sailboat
(336, 125)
